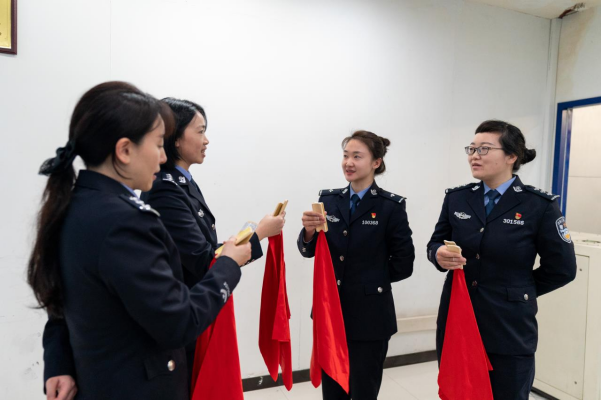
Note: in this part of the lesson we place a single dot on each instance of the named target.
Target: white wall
(579, 62)
(584, 177)
(282, 83)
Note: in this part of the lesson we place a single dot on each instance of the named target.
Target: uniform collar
(97, 181)
(130, 190)
(176, 175)
(185, 173)
(502, 187)
(361, 193)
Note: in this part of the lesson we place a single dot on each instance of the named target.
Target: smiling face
(193, 143)
(146, 157)
(358, 164)
(496, 166)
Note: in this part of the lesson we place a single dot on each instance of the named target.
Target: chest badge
(201, 213)
(462, 215)
(562, 229)
(332, 218)
(518, 216)
(373, 215)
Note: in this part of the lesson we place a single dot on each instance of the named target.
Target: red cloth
(330, 350)
(464, 364)
(216, 373)
(274, 327)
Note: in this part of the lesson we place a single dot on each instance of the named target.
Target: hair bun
(385, 141)
(529, 155)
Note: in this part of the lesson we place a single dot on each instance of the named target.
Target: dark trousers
(367, 364)
(512, 376)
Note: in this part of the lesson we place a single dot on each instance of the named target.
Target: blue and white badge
(562, 229)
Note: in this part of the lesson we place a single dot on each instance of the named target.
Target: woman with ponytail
(104, 266)
(370, 243)
(501, 225)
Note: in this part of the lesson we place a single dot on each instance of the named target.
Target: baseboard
(543, 394)
(264, 382)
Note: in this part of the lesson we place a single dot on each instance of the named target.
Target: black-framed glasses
(482, 150)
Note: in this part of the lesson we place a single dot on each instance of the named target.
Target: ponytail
(43, 272)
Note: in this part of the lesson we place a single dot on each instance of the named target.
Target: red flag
(216, 373)
(274, 327)
(464, 364)
(330, 350)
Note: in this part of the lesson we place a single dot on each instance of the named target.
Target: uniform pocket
(522, 294)
(377, 289)
(164, 363)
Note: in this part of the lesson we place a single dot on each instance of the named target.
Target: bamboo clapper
(242, 237)
(280, 208)
(318, 208)
(452, 247)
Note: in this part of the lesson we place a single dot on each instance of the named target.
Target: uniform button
(344, 233)
(213, 226)
(304, 249)
(171, 365)
(477, 256)
(481, 229)
(338, 282)
(526, 296)
(474, 283)
(380, 290)
(341, 258)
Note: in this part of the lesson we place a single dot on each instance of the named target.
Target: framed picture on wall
(8, 26)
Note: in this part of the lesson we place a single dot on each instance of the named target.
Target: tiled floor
(411, 382)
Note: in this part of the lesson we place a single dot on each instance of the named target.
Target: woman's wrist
(308, 235)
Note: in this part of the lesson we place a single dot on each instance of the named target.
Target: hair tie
(63, 160)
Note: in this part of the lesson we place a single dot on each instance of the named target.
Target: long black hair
(512, 141)
(183, 113)
(106, 113)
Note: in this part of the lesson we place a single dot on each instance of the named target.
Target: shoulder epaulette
(542, 193)
(473, 186)
(139, 204)
(326, 192)
(391, 196)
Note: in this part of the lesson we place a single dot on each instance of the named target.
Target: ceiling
(541, 8)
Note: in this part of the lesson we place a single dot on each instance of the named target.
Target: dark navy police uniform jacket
(369, 250)
(189, 221)
(501, 250)
(127, 310)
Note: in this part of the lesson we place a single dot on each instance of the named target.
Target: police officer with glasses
(501, 225)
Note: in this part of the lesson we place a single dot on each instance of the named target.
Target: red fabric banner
(464, 364)
(216, 373)
(274, 326)
(330, 350)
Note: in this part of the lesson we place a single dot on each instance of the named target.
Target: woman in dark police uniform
(501, 225)
(104, 264)
(179, 200)
(371, 247)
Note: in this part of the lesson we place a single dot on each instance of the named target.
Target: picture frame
(8, 26)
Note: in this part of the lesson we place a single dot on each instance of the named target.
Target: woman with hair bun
(501, 225)
(370, 243)
(104, 266)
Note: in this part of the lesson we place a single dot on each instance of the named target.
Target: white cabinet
(568, 359)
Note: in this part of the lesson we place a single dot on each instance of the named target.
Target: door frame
(563, 137)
